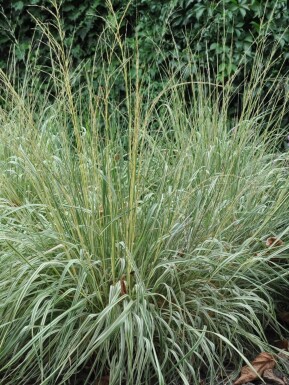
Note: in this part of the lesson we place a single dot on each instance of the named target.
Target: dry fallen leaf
(270, 376)
(116, 157)
(273, 241)
(123, 285)
(261, 363)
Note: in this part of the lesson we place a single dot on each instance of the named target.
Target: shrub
(217, 32)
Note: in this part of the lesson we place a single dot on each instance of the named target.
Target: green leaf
(243, 12)
(200, 11)
(222, 67)
(18, 5)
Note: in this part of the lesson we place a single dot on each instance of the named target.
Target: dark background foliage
(218, 33)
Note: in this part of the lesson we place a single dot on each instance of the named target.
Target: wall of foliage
(218, 32)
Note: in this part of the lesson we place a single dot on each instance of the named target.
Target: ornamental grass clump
(133, 229)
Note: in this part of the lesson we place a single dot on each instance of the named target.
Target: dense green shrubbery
(220, 32)
(177, 36)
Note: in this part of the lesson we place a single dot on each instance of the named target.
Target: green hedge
(80, 22)
(218, 32)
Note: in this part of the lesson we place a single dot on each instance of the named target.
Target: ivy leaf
(199, 12)
(243, 12)
(222, 67)
(18, 6)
